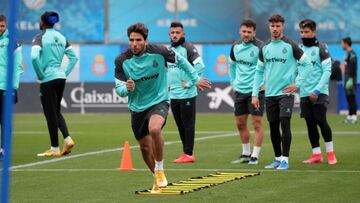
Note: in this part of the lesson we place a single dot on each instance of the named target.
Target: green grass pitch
(89, 173)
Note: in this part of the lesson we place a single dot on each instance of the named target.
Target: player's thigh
(157, 115)
(286, 103)
(320, 107)
(241, 103)
(306, 107)
(272, 108)
(188, 111)
(257, 111)
(139, 124)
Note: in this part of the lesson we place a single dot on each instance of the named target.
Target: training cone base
(126, 161)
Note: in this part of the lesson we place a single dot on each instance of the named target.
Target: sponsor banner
(204, 20)
(216, 65)
(78, 98)
(220, 98)
(98, 62)
(338, 53)
(101, 97)
(79, 20)
(332, 24)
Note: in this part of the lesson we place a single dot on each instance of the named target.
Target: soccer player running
(141, 74)
(183, 92)
(278, 58)
(4, 41)
(243, 60)
(47, 52)
(349, 68)
(314, 93)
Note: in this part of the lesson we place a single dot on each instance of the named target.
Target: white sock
(55, 149)
(246, 149)
(285, 158)
(329, 146)
(354, 117)
(256, 152)
(278, 158)
(348, 117)
(159, 165)
(316, 150)
(67, 139)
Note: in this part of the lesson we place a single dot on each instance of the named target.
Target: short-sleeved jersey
(149, 73)
(318, 79)
(176, 75)
(278, 64)
(243, 59)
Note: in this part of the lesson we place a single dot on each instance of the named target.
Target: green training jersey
(277, 64)
(243, 59)
(4, 42)
(149, 72)
(47, 52)
(177, 75)
(318, 79)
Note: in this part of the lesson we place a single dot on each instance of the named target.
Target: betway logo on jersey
(94, 99)
(275, 60)
(247, 63)
(151, 77)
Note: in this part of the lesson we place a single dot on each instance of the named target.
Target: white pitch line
(197, 132)
(186, 170)
(105, 151)
(39, 132)
(292, 132)
(137, 146)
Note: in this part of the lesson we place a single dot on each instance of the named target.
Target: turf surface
(89, 173)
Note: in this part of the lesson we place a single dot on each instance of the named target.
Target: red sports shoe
(314, 159)
(331, 158)
(184, 158)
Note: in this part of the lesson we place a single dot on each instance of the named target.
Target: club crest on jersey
(155, 64)
(284, 51)
(252, 54)
(313, 53)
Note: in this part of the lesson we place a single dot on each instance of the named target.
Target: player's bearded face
(276, 29)
(2, 27)
(137, 43)
(247, 33)
(176, 33)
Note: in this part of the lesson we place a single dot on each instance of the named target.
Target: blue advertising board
(215, 60)
(79, 20)
(332, 22)
(97, 63)
(204, 20)
(338, 53)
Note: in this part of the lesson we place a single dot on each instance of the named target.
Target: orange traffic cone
(126, 162)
